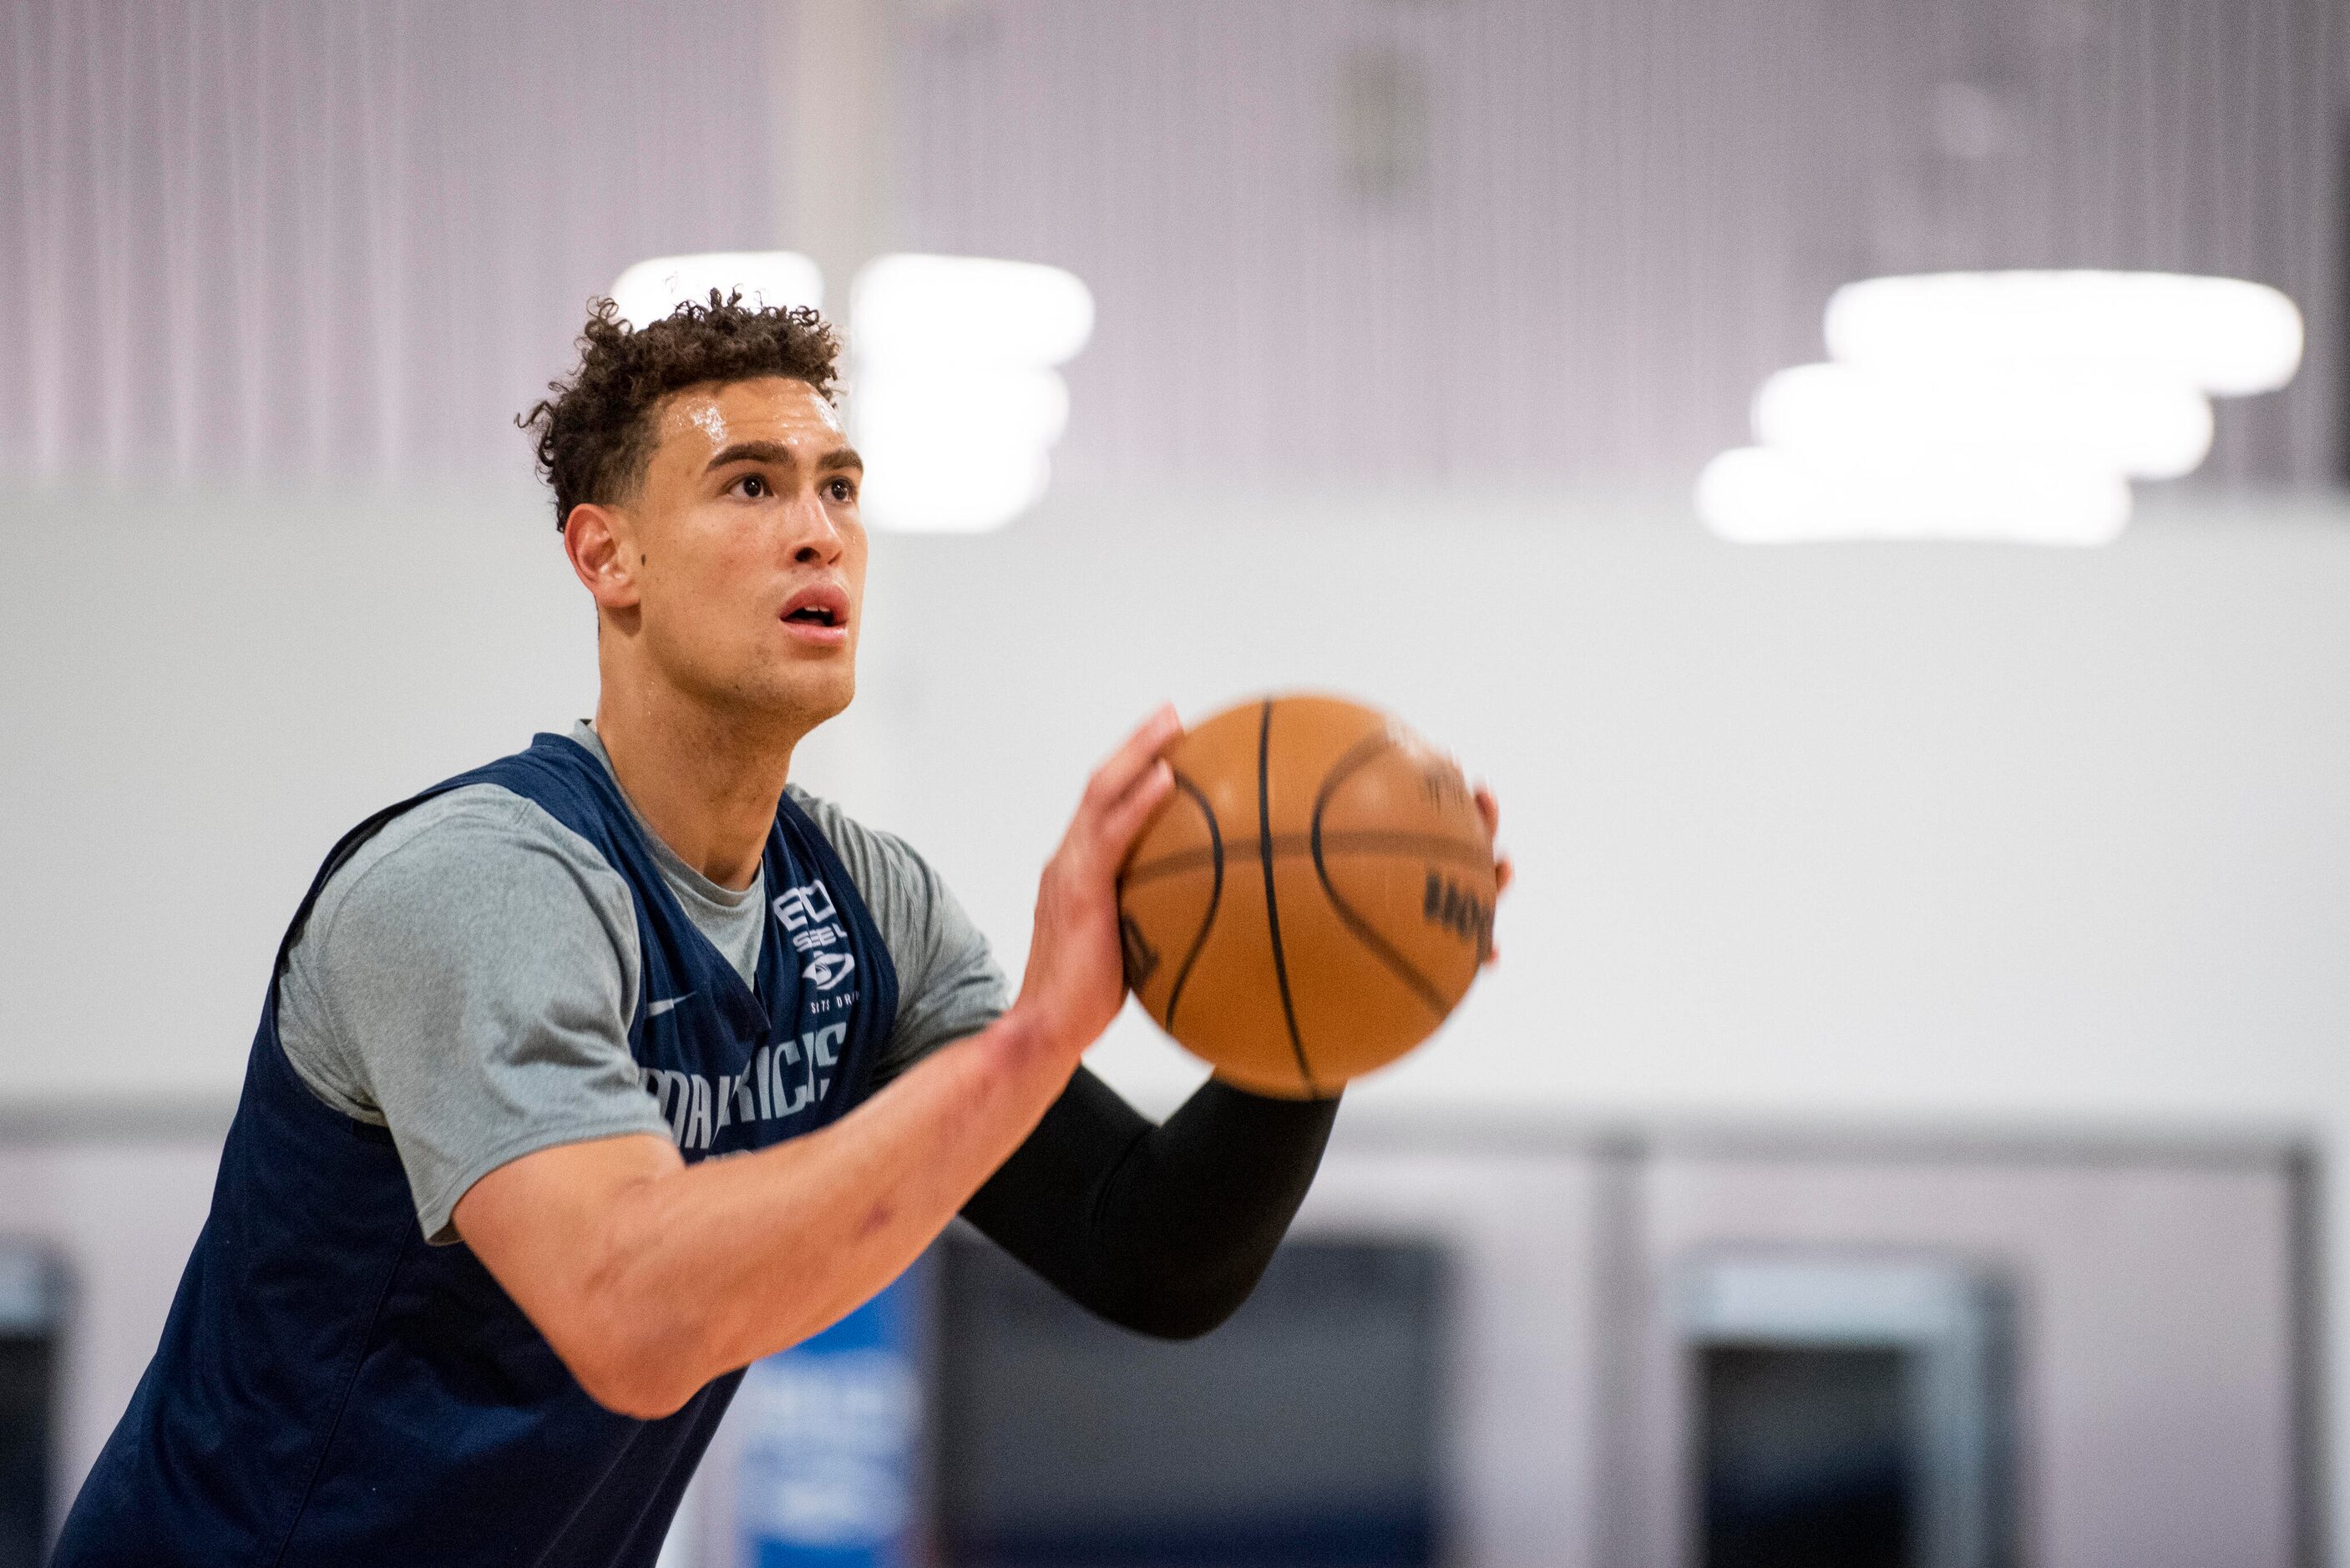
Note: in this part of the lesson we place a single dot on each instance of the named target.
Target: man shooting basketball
(470, 1290)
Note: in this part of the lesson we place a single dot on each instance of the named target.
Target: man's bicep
(484, 974)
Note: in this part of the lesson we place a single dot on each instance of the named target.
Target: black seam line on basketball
(1272, 905)
(1215, 896)
(1349, 841)
(1365, 933)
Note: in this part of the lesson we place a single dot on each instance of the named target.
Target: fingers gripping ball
(1311, 899)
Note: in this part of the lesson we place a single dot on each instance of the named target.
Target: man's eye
(842, 491)
(752, 486)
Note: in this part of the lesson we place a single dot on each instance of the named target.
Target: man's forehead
(770, 409)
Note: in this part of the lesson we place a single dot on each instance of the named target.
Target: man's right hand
(1076, 978)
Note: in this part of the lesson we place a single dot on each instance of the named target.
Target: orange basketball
(1313, 899)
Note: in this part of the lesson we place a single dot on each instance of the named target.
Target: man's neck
(707, 785)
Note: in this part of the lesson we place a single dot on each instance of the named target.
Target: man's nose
(815, 538)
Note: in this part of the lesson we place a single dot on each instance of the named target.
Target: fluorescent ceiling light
(917, 491)
(2005, 405)
(953, 401)
(649, 290)
(968, 310)
(2221, 335)
(1761, 496)
(956, 407)
(2146, 427)
(952, 397)
(954, 450)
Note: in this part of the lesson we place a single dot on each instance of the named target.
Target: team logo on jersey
(801, 908)
(828, 968)
(806, 912)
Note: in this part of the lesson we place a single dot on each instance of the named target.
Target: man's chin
(809, 697)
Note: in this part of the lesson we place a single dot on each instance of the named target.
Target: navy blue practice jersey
(332, 1389)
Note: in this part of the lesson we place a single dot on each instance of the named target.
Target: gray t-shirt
(467, 978)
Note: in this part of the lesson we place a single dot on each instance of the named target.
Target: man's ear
(596, 536)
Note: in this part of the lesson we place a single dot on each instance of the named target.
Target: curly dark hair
(594, 434)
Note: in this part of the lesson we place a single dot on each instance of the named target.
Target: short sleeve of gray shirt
(467, 977)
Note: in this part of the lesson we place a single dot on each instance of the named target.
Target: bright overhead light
(915, 490)
(1761, 496)
(957, 406)
(952, 397)
(2006, 405)
(955, 450)
(953, 402)
(2141, 426)
(969, 309)
(781, 279)
(2221, 335)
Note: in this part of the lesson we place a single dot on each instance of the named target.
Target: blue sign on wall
(829, 1428)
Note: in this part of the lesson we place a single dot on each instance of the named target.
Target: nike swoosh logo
(665, 1003)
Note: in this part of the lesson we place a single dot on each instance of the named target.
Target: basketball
(1313, 899)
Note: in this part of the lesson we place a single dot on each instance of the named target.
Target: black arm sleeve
(1163, 1230)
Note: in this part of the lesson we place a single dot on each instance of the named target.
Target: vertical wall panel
(245, 236)
(1631, 213)
(260, 237)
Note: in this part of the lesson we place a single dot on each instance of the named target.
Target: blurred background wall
(1416, 317)
(251, 236)
(1964, 831)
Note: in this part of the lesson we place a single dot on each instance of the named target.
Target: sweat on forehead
(735, 410)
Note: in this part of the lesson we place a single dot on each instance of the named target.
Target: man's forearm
(1163, 1230)
(698, 1270)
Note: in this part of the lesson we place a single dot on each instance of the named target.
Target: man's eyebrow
(775, 451)
(752, 451)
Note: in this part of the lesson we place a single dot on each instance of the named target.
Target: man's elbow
(1178, 1321)
(634, 1359)
(640, 1392)
(1181, 1309)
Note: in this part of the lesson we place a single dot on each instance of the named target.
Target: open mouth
(820, 611)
